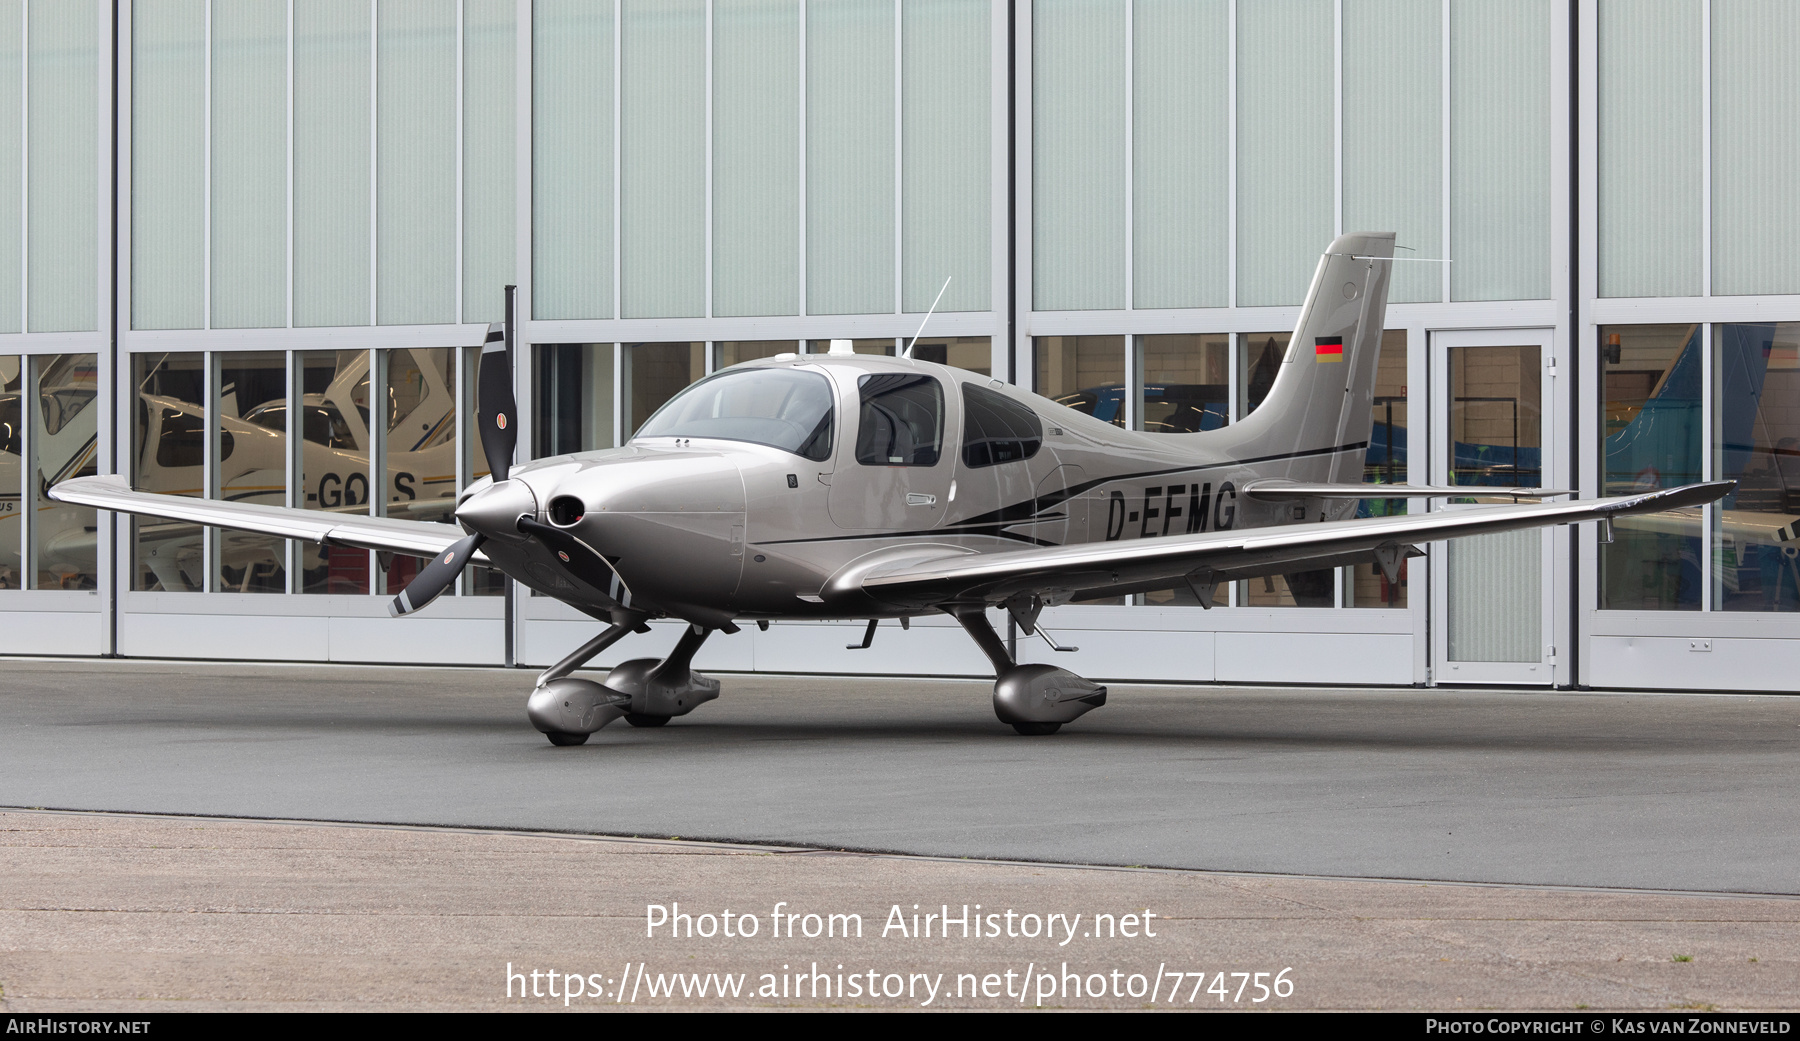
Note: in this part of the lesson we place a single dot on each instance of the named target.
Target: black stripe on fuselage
(993, 522)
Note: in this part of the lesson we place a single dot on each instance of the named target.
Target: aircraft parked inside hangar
(866, 487)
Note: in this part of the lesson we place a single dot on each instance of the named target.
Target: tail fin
(1317, 412)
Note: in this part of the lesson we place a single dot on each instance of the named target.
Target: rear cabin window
(997, 429)
(902, 420)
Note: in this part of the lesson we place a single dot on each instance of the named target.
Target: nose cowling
(495, 511)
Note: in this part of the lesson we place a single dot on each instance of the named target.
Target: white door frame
(1445, 671)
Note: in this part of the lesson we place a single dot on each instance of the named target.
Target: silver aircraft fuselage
(709, 529)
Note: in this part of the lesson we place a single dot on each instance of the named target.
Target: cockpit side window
(997, 429)
(902, 420)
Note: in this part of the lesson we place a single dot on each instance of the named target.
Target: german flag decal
(1328, 348)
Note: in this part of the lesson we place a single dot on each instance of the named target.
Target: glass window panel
(1085, 373)
(849, 157)
(731, 352)
(756, 149)
(331, 162)
(65, 445)
(902, 420)
(883, 345)
(574, 398)
(1650, 402)
(1496, 412)
(1393, 133)
(12, 165)
(1078, 155)
(1755, 147)
(1650, 148)
(420, 444)
(62, 211)
(168, 442)
(662, 159)
(416, 162)
(334, 462)
(490, 102)
(1757, 440)
(1259, 361)
(1500, 150)
(249, 163)
(1187, 387)
(975, 353)
(572, 168)
(481, 581)
(251, 466)
(1385, 464)
(946, 75)
(1284, 177)
(654, 373)
(1180, 159)
(1187, 383)
(168, 154)
(12, 470)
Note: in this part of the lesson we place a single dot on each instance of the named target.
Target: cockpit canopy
(783, 408)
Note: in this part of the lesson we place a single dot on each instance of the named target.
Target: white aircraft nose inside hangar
(271, 285)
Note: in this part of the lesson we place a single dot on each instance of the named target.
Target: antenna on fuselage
(908, 352)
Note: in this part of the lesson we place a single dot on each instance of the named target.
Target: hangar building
(247, 248)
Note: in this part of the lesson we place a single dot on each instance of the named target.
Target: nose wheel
(563, 739)
(1037, 729)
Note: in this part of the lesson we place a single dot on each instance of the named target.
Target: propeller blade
(497, 414)
(435, 577)
(578, 558)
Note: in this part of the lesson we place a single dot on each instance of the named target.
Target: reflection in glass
(1085, 373)
(1259, 360)
(420, 445)
(66, 445)
(334, 461)
(1757, 443)
(574, 403)
(975, 353)
(654, 373)
(1187, 383)
(1385, 464)
(782, 408)
(168, 446)
(1496, 396)
(251, 466)
(732, 352)
(1650, 402)
(12, 469)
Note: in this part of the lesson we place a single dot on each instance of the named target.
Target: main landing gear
(1035, 699)
(645, 691)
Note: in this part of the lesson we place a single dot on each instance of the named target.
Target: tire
(564, 739)
(1037, 729)
(640, 719)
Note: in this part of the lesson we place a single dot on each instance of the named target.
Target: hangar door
(1491, 594)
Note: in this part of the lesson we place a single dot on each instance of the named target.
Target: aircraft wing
(406, 537)
(1101, 570)
(1278, 490)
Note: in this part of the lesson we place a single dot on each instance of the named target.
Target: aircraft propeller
(497, 420)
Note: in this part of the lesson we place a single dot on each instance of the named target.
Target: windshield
(781, 408)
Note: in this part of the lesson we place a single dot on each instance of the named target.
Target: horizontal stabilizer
(388, 534)
(1277, 490)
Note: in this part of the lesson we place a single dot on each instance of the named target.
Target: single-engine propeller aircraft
(863, 487)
